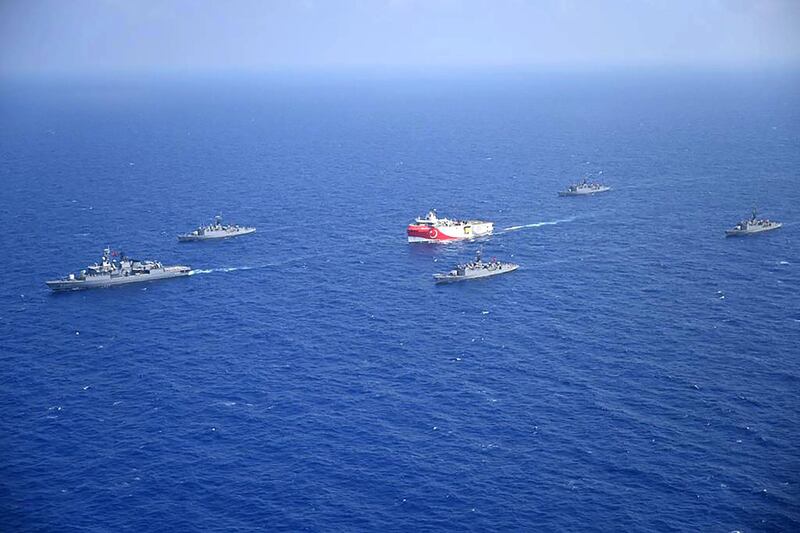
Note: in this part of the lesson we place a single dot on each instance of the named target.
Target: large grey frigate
(111, 271)
(584, 188)
(751, 226)
(216, 230)
(476, 269)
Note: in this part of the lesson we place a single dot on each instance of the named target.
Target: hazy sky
(120, 35)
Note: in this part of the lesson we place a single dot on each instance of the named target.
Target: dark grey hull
(478, 274)
(752, 231)
(587, 192)
(63, 285)
(215, 235)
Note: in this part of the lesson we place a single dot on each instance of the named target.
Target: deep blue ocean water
(639, 372)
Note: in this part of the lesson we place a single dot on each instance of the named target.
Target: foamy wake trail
(234, 269)
(227, 269)
(540, 224)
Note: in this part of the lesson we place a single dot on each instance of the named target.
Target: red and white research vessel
(435, 229)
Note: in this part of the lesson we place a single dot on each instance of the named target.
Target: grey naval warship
(753, 225)
(216, 230)
(584, 188)
(477, 269)
(110, 272)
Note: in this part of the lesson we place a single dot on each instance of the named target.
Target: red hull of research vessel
(435, 229)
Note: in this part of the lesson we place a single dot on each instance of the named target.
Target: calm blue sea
(640, 372)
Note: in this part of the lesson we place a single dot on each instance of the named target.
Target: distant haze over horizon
(107, 36)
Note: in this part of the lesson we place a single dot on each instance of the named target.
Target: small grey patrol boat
(216, 230)
(110, 272)
(584, 188)
(753, 225)
(476, 269)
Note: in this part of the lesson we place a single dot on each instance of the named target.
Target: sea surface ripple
(640, 372)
